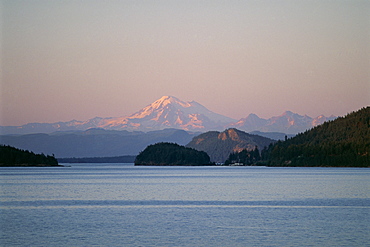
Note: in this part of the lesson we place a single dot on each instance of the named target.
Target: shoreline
(30, 165)
(172, 165)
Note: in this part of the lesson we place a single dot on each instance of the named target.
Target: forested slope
(341, 142)
(10, 156)
(219, 145)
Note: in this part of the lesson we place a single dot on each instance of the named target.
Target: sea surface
(124, 205)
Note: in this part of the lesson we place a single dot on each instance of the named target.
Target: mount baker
(170, 112)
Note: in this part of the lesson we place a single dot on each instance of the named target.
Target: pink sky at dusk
(64, 60)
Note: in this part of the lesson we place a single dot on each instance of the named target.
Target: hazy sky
(64, 60)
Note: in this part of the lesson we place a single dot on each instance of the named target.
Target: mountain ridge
(218, 145)
(288, 122)
(94, 142)
(171, 112)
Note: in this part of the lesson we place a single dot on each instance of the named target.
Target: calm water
(123, 205)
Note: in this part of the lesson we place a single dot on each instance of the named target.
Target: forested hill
(341, 142)
(171, 154)
(10, 156)
(219, 145)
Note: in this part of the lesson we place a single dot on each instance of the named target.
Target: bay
(125, 205)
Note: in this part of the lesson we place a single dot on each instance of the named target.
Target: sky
(64, 60)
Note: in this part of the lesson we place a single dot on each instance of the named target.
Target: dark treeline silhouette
(11, 156)
(165, 153)
(341, 142)
(245, 157)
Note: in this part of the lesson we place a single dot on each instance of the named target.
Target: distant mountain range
(288, 122)
(113, 143)
(94, 142)
(170, 112)
(218, 145)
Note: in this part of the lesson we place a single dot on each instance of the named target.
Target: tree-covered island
(171, 154)
(11, 156)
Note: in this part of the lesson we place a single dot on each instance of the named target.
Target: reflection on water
(123, 205)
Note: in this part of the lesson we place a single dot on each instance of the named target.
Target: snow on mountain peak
(164, 102)
(167, 100)
(171, 112)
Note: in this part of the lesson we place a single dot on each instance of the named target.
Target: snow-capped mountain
(166, 112)
(288, 122)
(171, 112)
